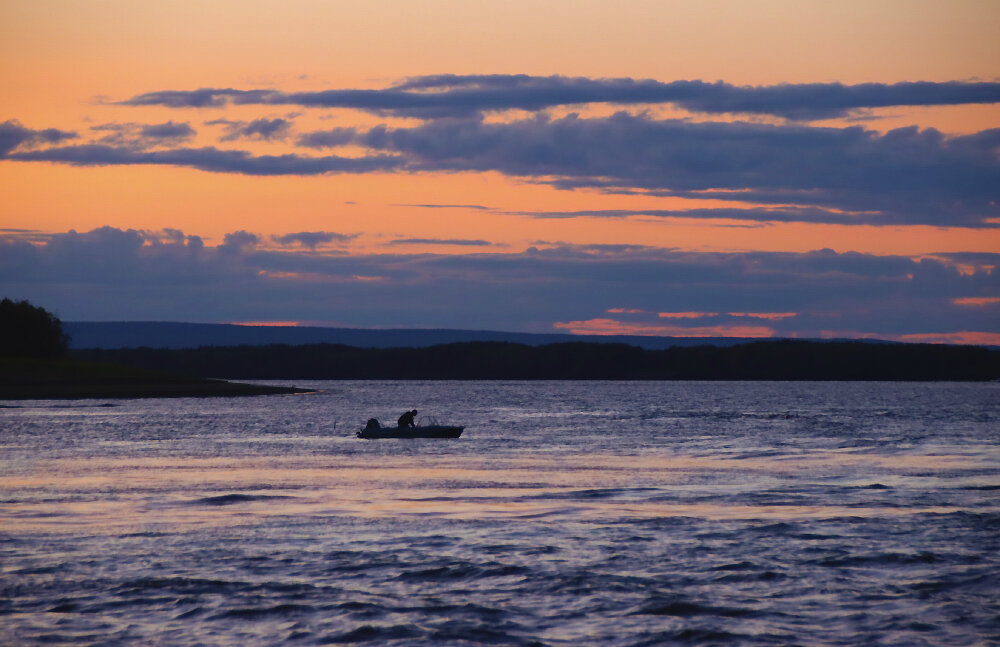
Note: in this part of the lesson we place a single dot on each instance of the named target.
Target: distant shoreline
(67, 379)
(221, 389)
(786, 360)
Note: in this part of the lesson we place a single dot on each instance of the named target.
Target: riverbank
(66, 379)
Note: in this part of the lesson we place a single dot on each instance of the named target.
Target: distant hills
(174, 335)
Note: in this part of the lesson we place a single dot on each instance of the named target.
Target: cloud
(463, 95)
(168, 130)
(773, 316)
(441, 241)
(110, 273)
(139, 136)
(476, 207)
(259, 129)
(210, 159)
(758, 214)
(604, 326)
(328, 138)
(203, 98)
(796, 173)
(238, 241)
(686, 315)
(905, 176)
(13, 135)
(312, 239)
(976, 302)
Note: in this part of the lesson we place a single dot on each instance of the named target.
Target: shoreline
(218, 389)
(68, 379)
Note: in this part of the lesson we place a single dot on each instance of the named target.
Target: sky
(751, 169)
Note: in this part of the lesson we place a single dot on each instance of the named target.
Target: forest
(763, 360)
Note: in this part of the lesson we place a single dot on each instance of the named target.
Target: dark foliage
(30, 331)
(767, 360)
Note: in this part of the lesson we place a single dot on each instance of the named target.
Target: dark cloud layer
(441, 241)
(328, 138)
(313, 239)
(14, 135)
(134, 135)
(210, 159)
(796, 172)
(758, 214)
(258, 129)
(169, 130)
(474, 207)
(907, 175)
(125, 274)
(453, 95)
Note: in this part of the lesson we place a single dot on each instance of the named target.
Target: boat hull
(431, 431)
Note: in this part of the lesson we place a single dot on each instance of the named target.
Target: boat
(428, 428)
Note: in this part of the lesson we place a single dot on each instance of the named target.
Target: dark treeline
(30, 331)
(766, 360)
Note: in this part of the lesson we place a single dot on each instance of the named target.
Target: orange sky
(66, 61)
(61, 56)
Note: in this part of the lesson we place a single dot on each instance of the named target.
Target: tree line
(764, 360)
(30, 331)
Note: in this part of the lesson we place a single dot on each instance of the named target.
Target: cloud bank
(109, 274)
(801, 173)
(448, 95)
(13, 135)
(313, 239)
(210, 159)
(907, 175)
(790, 171)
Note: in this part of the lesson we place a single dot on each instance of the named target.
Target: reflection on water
(568, 513)
(109, 493)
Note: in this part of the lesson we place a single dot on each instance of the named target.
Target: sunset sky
(755, 169)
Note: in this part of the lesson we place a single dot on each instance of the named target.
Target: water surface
(569, 513)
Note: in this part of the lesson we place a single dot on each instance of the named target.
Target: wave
(464, 571)
(371, 634)
(230, 499)
(255, 613)
(696, 637)
(685, 609)
(881, 559)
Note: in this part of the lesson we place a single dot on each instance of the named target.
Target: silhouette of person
(406, 420)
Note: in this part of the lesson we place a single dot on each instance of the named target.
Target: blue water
(568, 513)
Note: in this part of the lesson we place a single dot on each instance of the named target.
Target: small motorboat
(428, 428)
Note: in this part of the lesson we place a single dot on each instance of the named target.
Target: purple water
(568, 513)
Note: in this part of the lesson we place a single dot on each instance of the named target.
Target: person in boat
(406, 420)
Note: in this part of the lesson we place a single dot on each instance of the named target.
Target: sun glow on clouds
(602, 326)
(726, 328)
(771, 316)
(975, 301)
(962, 337)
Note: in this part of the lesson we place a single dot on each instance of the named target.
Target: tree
(30, 331)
